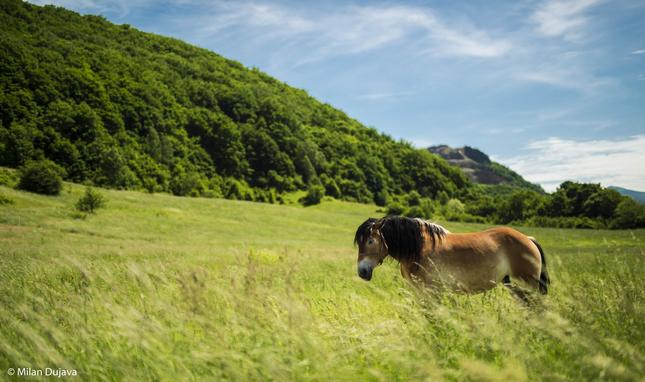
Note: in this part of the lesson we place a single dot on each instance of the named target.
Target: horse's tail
(544, 274)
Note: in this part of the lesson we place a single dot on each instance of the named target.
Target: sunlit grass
(159, 287)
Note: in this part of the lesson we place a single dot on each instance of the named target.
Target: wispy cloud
(571, 78)
(551, 161)
(385, 95)
(351, 29)
(563, 18)
(639, 51)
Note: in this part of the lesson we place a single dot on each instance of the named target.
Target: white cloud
(572, 78)
(564, 18)
(385, 95)
(251, 15)
(639, 51)
(551, 161)
(351, 29)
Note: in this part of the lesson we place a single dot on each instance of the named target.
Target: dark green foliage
(519, 206)
(396, 208)
(126, 109)
(331, 187)
(91, 200)
(5, 200)
(8, 178)
(41, 177)
(314, 195)
(187, 184)
(629, 214)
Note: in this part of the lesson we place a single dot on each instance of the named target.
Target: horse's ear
(363, 230)
(378, 224)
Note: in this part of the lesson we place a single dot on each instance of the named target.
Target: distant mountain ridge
(638, 196)
(479, 168)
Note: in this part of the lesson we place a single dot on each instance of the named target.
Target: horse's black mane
(403, 236)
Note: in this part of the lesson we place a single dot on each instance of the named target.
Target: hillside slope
(134, 110)
(478, 167)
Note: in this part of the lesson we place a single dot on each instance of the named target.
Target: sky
(553, 89)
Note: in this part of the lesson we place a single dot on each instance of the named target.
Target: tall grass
(164, 288)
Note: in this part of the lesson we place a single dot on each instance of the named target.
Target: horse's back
(478, 260)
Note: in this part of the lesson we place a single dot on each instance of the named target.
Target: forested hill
(479, 168)
(127, 109)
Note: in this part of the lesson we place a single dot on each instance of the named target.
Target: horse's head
(372, 248)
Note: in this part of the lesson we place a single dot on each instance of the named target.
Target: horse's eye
(370, 242)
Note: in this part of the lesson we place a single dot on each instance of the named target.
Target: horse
(470, 263)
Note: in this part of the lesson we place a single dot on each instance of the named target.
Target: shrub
(413, 198)
(314, 195)
(395, 208)
(90, 201)
(237, 190)
(5, 200)
(8, 177)
(454, 209)
(381, 198)
(331, 189)
(187, 184)
(442, 197)
(41, 177)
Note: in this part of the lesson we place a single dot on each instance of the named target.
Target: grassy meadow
(156, 287)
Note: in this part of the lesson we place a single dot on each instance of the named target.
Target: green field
(165, 288)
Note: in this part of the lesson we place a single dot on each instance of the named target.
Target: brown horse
(465, 262)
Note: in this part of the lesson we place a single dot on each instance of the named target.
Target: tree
(601, 203)
(629, 214)
(519, 206)
(90, 201)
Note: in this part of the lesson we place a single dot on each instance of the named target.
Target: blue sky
(553, 89)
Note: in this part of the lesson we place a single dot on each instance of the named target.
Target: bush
(413, 198)
(314, 195)
(237, 190)
(187, 184)
(5, 200)
(381, 198)
(90, 201)
(395, 208)
(41, 177)
(453, 209)
(8, 177)
(331, 187)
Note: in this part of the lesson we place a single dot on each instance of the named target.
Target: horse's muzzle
(365, 271)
